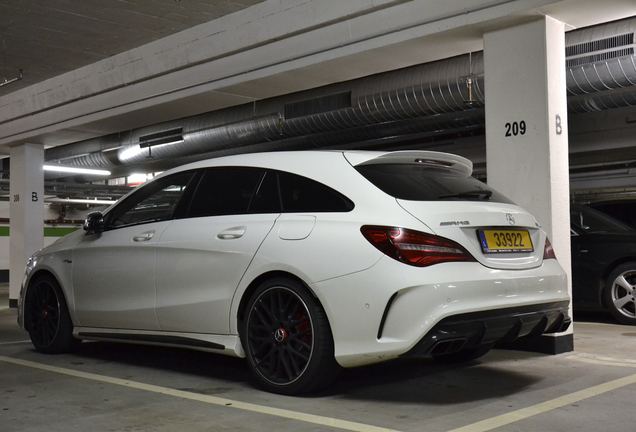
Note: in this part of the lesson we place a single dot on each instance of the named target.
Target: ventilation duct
(171, 136)
(601, 67)
(433, 99)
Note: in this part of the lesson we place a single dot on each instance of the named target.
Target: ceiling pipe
(601, 74)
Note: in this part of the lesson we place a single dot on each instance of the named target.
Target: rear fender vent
(165, 137)
(318, 105)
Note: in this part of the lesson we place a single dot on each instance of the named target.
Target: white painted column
(526, 127)
(26, 211)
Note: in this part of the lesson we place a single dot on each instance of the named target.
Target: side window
(153, 202)
(300, 194)
(225, 191)
(267, 199)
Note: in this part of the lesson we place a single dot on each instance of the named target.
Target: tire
(619, 295)
(287, 339)
(46, 317)
(463, 355)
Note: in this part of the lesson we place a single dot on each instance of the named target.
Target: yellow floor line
(213, 400)
(540, 408)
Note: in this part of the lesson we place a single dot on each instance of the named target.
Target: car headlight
(30, 264)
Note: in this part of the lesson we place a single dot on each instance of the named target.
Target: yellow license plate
(505, 241)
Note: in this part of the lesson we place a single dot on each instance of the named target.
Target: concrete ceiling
(265, 51)
(48, 38)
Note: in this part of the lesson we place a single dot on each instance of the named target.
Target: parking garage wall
(52, 232)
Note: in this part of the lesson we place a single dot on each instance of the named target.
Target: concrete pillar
(526, 133)
(26, 211)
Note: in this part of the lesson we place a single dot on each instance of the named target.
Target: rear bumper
(385, 311)
(471, 330)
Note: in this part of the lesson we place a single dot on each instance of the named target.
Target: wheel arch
(39, 273)
(606, 273)
(254, 284)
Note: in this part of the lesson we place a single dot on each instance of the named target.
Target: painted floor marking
(15, 342)
(213, 400)
(480, 426)
(602, 360)
(543, 407)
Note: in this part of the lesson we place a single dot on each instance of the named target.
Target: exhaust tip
(448, 346)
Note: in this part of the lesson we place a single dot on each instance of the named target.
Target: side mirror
(94, 223)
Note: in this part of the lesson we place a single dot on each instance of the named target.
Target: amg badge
(454, 223)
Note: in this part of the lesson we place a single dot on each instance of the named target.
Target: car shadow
(199, 363)
(400, 381)
(427, 382)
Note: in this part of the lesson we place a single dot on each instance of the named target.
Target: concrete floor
(194, 391)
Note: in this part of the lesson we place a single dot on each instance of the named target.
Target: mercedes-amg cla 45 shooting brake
(303, 262)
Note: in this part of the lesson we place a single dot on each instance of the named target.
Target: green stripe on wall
(48, 231)
(58, 231)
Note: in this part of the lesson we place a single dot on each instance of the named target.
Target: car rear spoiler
(427, 158)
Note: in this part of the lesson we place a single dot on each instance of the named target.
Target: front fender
(59, 266)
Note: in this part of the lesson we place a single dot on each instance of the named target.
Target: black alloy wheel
(287, 339)
(46, 317)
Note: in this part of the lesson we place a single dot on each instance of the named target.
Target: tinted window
(300, 194)
(153, 202)
(625, 211)
(421, 183)
(267, 199)
(225, 191)
(590, 220)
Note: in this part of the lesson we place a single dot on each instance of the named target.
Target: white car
(303, 262)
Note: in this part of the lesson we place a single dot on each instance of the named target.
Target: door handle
(144, 236)
(232, 233)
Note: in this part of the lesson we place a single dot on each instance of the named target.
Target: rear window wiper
(478, 193)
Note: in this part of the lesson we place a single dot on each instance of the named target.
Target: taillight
(548, 250)
(413, 247)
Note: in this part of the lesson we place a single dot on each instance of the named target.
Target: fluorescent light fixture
(136, 178)
(80, 201)
(111, 149)
(75, 170)
(179, 141)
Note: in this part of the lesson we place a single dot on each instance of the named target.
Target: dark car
(624, 210)
(603, 263)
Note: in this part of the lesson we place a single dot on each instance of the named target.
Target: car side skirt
(222, 344)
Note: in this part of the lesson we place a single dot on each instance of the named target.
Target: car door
(585, 268)
(114, 271)
(202, 257)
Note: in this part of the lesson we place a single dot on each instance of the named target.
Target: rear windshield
(423, 183)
